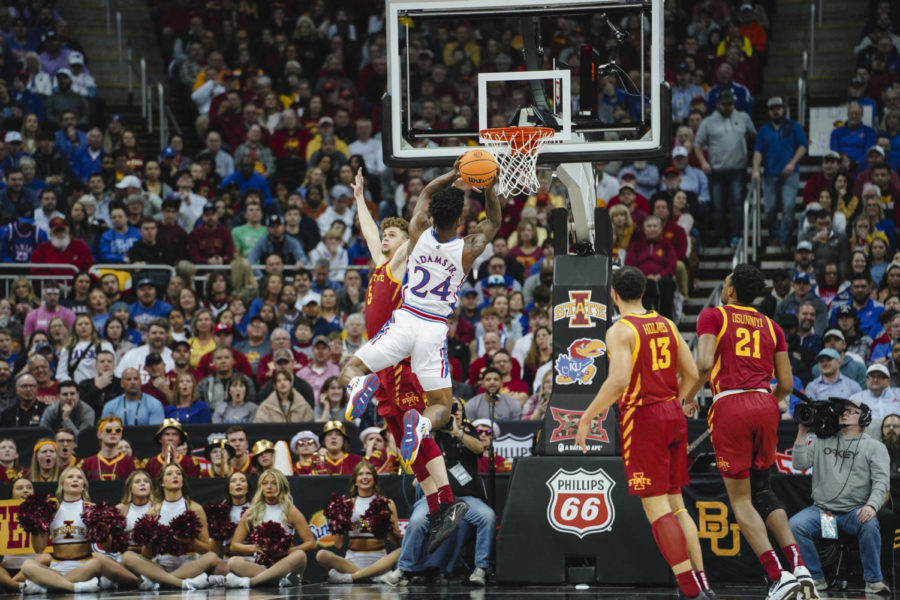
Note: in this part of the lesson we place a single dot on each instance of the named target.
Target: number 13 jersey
(434, 273)
(746, 343)
(654, 369)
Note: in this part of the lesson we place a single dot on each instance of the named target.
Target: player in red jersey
(737, 349)
(647, 356)
(399, 389)
(109, 463)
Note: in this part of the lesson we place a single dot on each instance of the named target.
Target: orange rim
(521, 140)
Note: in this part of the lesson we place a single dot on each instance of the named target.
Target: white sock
(91, 585)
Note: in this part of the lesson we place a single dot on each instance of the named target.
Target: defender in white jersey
(436, 267)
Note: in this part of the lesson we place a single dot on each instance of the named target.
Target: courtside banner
(13, 540)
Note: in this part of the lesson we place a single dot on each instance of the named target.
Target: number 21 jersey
(654, 369)
(434, 273)
(746, 343)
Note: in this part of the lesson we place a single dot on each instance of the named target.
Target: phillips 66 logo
(581, 502)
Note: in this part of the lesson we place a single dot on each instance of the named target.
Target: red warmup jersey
(746, 343)
(654, 371)
(382, 298)
(97, 468)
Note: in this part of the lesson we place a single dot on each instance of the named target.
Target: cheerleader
(272, 502)
(187, 571)
(366, 556)
(10, 570)
(137, 500)
(238, 499)
(72, 566)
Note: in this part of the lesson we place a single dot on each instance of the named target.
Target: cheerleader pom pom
(273, 539)
(339, 512)
(186, 526)
(36, 513)
(106, 526)
(146, 531)
(378, 516)
(218, 521)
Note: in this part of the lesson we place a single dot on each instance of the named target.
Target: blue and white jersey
(434, 273)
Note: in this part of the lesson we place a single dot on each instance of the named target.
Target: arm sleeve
(228, 248)
(105, 253)
(835, 140)
(802, 455)
(879, 469)
(157, 412)
(780, 342)
(62, 370)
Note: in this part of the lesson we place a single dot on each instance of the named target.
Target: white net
(516, 150)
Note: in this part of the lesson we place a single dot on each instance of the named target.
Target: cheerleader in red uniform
(186, 571)
(271, 503)
(366, 556)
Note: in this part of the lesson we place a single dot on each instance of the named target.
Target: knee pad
(761, 497)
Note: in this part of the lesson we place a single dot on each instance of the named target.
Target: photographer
(850, 482)
(461, 449)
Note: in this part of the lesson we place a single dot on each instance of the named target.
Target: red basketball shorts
(744, 428)
(399, 391)
(654, 449)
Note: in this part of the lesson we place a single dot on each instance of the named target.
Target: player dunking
(737, 348)
(399, 389)
(646, 358)
(436, 267)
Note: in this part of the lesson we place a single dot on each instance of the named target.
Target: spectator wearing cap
(823, 179)
(851, 366)
(62, 249)
(38, 319)
(148, 307)
(20, 238)
(752, 30)
(82, 81)
(257, 344)
(800, 293)
(867, 309)
(637, 204)
(280, 339)
(646, 177)
(13, 141)
(158, 384)
(246, 178)
(725, 132)
(170, 234)
(780, 145)
(263, 160)
(831, 382)
(341, 209)
(853, 138)
(857, 341)
(329, 150)
(64, 98)
(15, 198)
(117, 241)
(277, 242)
(54, 57)
(875, 156)
(320, 367)
(325, 128)
(210, 243)
(691, 178)
(223, 335)
(883, 399)
(683, 92)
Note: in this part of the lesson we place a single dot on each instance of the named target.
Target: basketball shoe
(415, 427)
(360, 390)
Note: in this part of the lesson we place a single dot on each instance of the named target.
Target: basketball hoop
(516, 150)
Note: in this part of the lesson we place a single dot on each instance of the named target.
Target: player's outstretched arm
(367, 224)
(421, 219)
(476, 242)
(620, 344)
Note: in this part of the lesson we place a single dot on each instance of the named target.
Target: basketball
(478, 168)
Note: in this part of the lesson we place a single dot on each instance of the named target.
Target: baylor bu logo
(579, 310)
(724, 537)
(581, 502)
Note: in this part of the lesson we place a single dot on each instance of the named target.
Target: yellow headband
(43, 443)
(106, 420)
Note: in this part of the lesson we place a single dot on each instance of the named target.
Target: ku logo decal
(578, 364)
(579, 310)
(581, 502)
(567, 425)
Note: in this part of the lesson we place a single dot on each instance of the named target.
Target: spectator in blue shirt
(867, 310)
(853, 138)
(134, 407)
(780, 144)
(743, 101)
(116, 242)
(683, 92)
(147, 308)
(831, 383)
(246, 178)
(15, 198)
(19, 239)
(851, 366)
(68, 137)
(86, 160)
